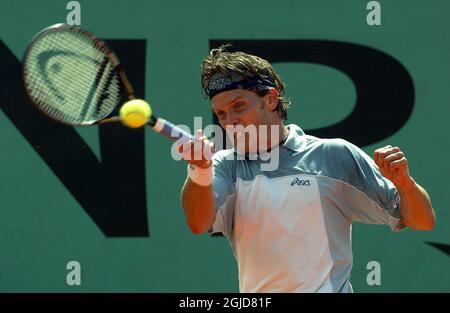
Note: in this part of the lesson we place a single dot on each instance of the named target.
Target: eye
(220, 114)
(238, 106)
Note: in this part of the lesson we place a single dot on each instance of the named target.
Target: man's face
(238, 107)
(242, 108)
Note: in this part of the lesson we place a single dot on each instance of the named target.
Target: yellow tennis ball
(135, 113)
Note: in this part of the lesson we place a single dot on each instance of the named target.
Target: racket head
(71, 76)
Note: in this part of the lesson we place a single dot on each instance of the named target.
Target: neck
(281, 133)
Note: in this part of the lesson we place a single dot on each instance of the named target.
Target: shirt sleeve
(224, 194)
(369, 196)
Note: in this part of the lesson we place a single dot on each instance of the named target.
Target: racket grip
(171, 131)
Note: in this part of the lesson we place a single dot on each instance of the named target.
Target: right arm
(198, 201)
(198, 205)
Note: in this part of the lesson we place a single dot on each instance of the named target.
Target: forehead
(223, 99)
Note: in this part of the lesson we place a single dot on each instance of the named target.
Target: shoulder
(330, 145)
(337, 151)
(336, 144)
(223, 155)
(224, 159)
(225, 165)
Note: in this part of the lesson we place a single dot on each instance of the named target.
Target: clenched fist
(198, 152)
(394, 166)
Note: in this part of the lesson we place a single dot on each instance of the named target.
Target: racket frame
(158, 124)
(103, 47)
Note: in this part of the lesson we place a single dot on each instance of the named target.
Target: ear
(271, 99)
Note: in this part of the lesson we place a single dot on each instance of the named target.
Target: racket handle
(166, 129)
(161, 126)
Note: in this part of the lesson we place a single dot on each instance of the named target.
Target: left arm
(415, 205)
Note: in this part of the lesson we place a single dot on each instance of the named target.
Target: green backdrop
(42, 227)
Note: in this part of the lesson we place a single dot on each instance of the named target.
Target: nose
(232, 119)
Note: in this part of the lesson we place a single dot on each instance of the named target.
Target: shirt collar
(295, 139)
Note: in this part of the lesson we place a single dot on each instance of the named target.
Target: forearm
(198, 205)
(415, 205)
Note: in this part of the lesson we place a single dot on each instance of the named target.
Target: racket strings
(70, 78)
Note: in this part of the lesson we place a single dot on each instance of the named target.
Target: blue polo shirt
(290, 228)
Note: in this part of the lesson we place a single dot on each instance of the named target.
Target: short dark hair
(221, 61)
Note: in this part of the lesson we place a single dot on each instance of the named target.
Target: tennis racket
(75, 78)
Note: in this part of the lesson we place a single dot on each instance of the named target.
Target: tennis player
(290, 228)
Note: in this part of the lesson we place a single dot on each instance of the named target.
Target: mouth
(239, 135)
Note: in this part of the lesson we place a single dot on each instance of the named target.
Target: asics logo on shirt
(301, 182)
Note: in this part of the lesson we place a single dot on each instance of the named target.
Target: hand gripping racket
(74, 78)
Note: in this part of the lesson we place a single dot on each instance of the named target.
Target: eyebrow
(231, 101)
(237, 98)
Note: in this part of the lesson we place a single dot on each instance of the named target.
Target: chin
(242, 144)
